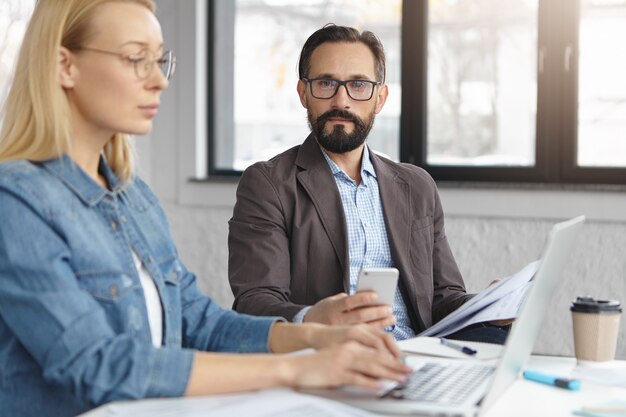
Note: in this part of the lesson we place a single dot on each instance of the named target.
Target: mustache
(343, 114)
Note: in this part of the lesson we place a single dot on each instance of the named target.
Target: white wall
(493, 232)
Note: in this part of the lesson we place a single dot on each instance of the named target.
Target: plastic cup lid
(591, 305)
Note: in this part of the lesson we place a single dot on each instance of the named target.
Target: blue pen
(570, 384)
(465, 349)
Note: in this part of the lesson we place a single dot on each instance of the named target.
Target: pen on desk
(570, 384)
(465, 349)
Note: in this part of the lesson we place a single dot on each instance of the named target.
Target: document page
(265, 403)
(612, 373)
(431, 346)
(496, 302)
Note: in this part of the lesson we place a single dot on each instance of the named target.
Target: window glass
(601, 86)
(482, 82)
(14, 15)
(267, 117)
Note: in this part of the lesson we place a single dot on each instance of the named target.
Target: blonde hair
(37, 122)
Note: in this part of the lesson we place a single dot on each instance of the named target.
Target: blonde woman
(95, 304)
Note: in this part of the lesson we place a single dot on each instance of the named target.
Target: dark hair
(334, 33)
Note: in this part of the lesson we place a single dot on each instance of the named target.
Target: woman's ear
(65, 68)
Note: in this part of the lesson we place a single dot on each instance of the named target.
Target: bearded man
(307, 221)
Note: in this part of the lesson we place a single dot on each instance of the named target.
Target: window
(257, 113)
(14, 16)
(481, 82)
(601, 86)
(480, 90)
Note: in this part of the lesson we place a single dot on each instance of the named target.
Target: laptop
(445, 387)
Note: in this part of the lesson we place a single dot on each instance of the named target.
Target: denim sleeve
(208, 327)
(63, 328)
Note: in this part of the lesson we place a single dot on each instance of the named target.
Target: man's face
(341, 123)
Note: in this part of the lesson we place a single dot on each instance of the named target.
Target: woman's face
(106, 94)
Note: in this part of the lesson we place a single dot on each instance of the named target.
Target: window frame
(557, 104)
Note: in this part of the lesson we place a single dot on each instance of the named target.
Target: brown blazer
(288, 238)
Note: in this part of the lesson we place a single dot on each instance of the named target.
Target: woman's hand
(340, 364)
(348, 355)
(321, 336)
(348, 363)
(288, 337)
(359, 355)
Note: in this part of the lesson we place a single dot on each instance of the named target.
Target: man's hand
(499, 323)
(351, 309)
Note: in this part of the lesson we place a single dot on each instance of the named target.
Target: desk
(523, 398)
(526, 398)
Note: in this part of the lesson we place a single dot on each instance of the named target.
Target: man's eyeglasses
(144, 61)
(324, 88)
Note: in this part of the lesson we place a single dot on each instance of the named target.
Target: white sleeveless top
(153, 302)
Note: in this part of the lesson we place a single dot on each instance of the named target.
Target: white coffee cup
(596, 326)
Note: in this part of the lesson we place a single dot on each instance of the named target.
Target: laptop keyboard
(441, 383)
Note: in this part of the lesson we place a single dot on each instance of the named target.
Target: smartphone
(381, 280)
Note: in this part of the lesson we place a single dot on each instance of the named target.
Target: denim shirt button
(113, 224)
(113, 290)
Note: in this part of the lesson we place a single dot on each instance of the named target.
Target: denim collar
(77, 180)
(366, 165)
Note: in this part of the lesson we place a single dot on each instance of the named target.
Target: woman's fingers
(374, 338)
(392, 346)
(349, 363)
(371, 364)
(364, 381)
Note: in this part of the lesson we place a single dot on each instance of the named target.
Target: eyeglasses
(324, 88)
(144, 61)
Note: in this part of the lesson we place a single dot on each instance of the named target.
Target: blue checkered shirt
(368, 244)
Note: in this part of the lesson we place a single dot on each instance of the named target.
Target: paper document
(266, 403)
(432, 346)
(614, 408)
(496, 302)
(610, 373)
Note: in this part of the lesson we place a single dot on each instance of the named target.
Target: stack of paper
(497, 302)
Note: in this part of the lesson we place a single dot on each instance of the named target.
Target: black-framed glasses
(144, 61)
(324, 88)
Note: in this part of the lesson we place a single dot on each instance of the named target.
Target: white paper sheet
(496, 302)
(611, 373)
(432, 346)
(266, 403)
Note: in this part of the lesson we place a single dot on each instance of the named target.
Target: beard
(338, 140)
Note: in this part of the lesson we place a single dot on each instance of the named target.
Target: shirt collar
(366, 165)
(80, 183)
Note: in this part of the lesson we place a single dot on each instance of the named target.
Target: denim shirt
(74, 329)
